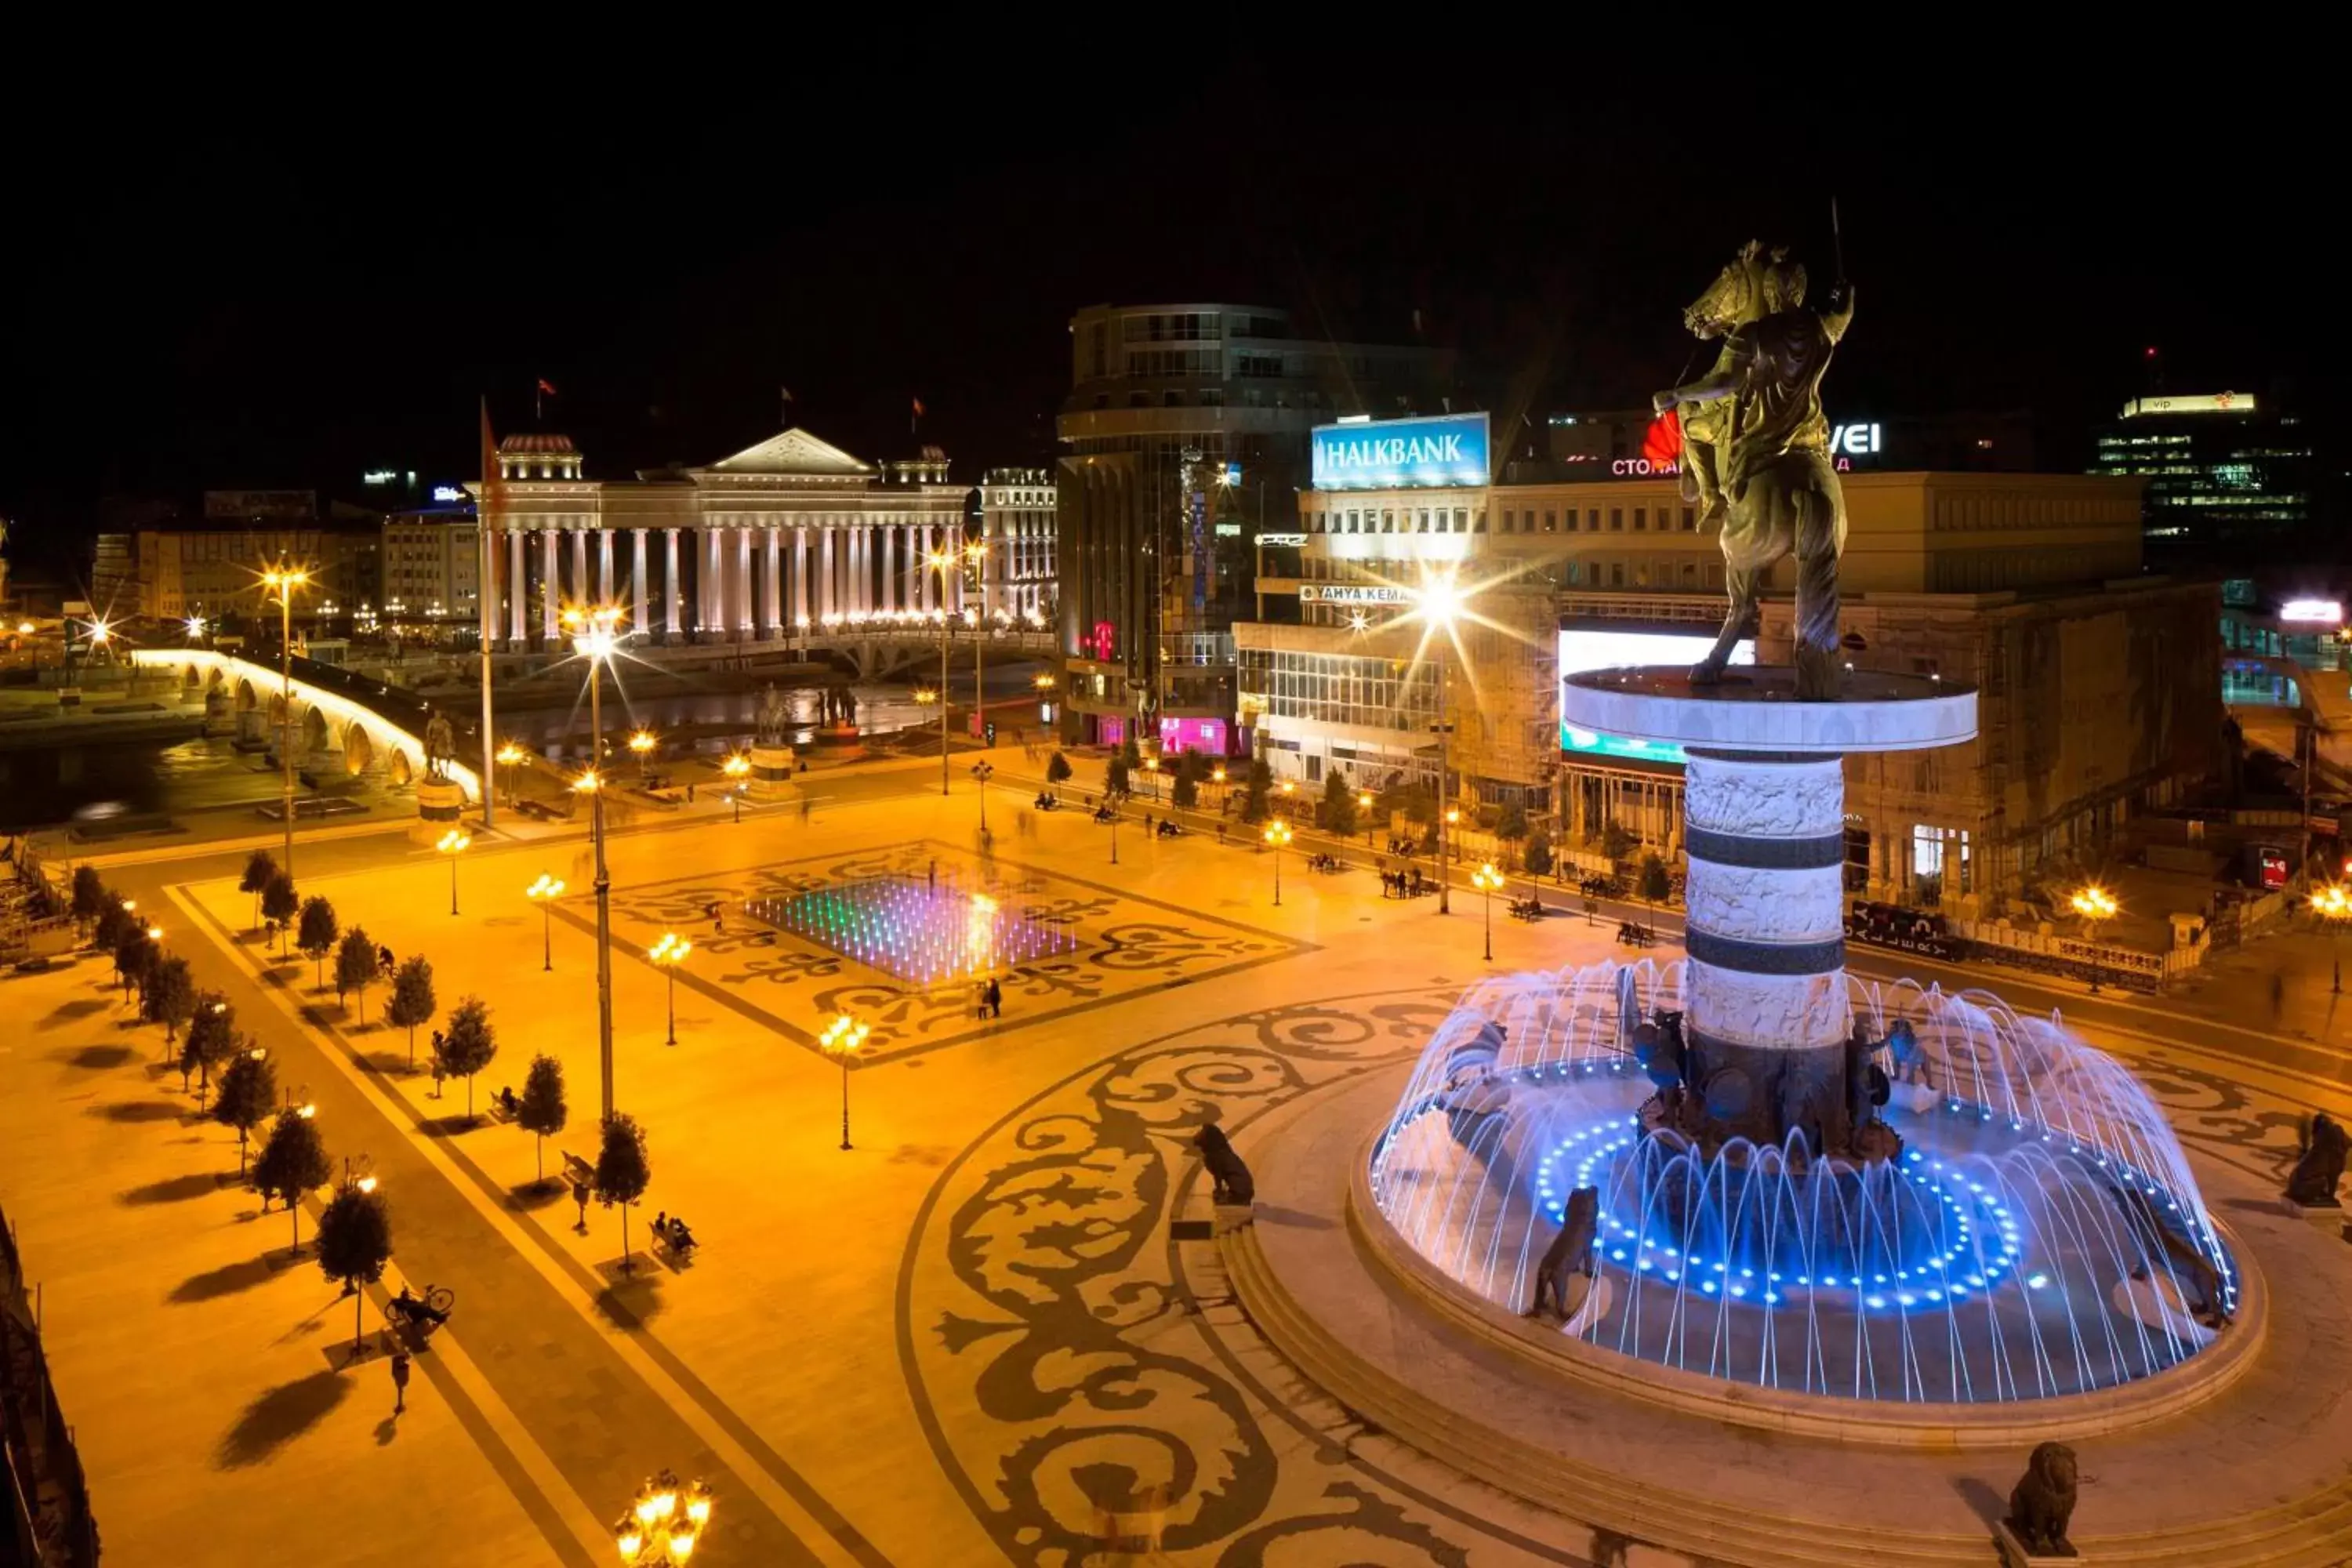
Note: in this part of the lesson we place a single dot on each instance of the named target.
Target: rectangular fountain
(913, 931)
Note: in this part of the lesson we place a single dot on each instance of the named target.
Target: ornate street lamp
(1486, 879)
(452, 844)
(2095, 905)
(1278, 833)
(665, 955)
(544, 892)
(664, 1524)
(510, 757)
(595, 637)
(737, 767)
(642, 744)
(841, 1039)
(2332, 904)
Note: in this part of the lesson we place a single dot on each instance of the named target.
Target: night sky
(270, 299)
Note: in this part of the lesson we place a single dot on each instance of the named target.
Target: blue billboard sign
(1401, 454)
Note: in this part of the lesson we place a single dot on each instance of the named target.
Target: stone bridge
(341, 720)
(878, 651)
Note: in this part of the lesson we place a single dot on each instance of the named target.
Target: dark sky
(268, 299)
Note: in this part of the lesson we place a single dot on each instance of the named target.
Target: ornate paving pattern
(1126, 946)
(1058, 1371)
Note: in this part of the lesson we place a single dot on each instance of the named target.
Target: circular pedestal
(439, 804)
(771, 771)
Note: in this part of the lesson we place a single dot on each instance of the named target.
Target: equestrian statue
(1756, 455)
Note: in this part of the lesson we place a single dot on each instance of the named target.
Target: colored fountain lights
(2041, 1236)
(912, 932)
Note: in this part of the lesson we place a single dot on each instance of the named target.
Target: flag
(493, 493)
(1663, 443)
(919, 408)
(547, 386)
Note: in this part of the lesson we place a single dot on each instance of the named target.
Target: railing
(48, 1498)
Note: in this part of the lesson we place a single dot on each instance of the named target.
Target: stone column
(889, 577)
(580, 591)
(920, 541)
(671, 628)
(824, 602)
(518, 582)
(857, 573)
(742, 616)
(638, 590)
(800, 576)
(550, 587)
(706, 617)
(607, 590)
(771, 624)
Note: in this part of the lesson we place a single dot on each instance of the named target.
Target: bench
(1528, 910)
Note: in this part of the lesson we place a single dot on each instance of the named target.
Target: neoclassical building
(790, 535)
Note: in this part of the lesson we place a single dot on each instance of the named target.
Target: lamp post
(543, 892)
(594, 639)
(664, 1524)
(1278, 833)
(1364, 808)
(452, 844)
(737, 767)
(982, 771)
(642, 744)
(665, 955)
(280, 580)
(975, 555)
(510, 757)
(1440, 603)
(2332, 904)
(1217, 777)
(841, 1040)
(940, 560)
(1152, 768)
(2095, 904)
(1486, 879)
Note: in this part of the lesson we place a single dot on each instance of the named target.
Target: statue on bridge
(1756, 452)
(440, 747)
(773, 717)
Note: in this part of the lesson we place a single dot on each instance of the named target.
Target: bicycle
(428, 1311)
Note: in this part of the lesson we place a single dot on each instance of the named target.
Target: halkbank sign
(1401, 454)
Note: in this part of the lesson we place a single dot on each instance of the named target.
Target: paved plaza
(958, 1342)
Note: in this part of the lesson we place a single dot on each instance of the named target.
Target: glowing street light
(195, 628)
(1217, 777)
(510, 757)
(665, 1525)
(1043, 682)
(1151, 769)
(452, 844)
(1364, 807)
(1278, 833)
(841, 1039)
(975, 555)
(1441, 604)
(2095, 905)
(665, 955)
(1486, 879)
(595, 638)
(2332, 904)
(279, 581)
(642, 744)
(940, 560)
(543, 892)
(737, 767)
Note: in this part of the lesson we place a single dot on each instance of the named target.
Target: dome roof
(537, 443)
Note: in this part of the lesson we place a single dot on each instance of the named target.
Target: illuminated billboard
(1586, 649)
(1401, 454)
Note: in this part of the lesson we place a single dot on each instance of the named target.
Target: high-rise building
(1186, 429)
(2222, 474)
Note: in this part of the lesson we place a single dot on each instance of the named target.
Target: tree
(247, 1092)
(543, 1112)
(1185, 793)
(1420, 805)
(170, 995)
(89, 894)
(355, 966)
(211, 1038)
(1512, 826)
(355, 1243)
(293, 1161)
(106, 930)
(1130, 754)
(260, 869)
(134, 954)
(1655, 886)
(280, 903)
(1538, 855)
(316, 935)
(1114, 777)
(1261, 781)
(467, 1046)
(1057, 769)
(1615, 842)
(623, 1174)
(1338, 805)
(412, 1000)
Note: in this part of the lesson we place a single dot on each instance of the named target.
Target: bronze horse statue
(1756, 452)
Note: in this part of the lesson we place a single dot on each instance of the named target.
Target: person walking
(931, 879)
(399, 1380)
(995, 998)
(580, 1195)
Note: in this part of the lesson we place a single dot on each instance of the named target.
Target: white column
(580, 593)
(825, 597)
(800, 575)
(638, 577)
(772, 623)
(858, 568)
(743, 580)
(669, 583)
(919, 542)
(890, 576)
(607, 590)
(516, 582)
(706, 588)
(550, 588)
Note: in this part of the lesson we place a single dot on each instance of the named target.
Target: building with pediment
(790, 535)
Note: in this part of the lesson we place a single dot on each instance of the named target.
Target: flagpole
(486, 516)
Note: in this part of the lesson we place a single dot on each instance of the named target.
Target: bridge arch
(316, 736)
(245, 699)
(359, 751)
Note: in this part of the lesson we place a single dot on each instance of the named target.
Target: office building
(432, 567)
(2223, 475)
(1186, 429)
(209, 563)
(1016, 523)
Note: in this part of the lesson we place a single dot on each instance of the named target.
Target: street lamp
(594, 638)
(1486, 879)
(1278, 833)
(510, 757)
(841, 1039)
(543, 892)
(642, 743)
(665, 1525)
(2095, 904)
(1364, 807)
(940, 560)
(1151, 767)
(665, 955)
(737, 767)
(975, 555)
(982, 771)
(452, 844)
(2332, 904)
(1217, 777)
(280, 580)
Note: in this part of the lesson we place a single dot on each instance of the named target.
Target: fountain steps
(2311, 1531)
